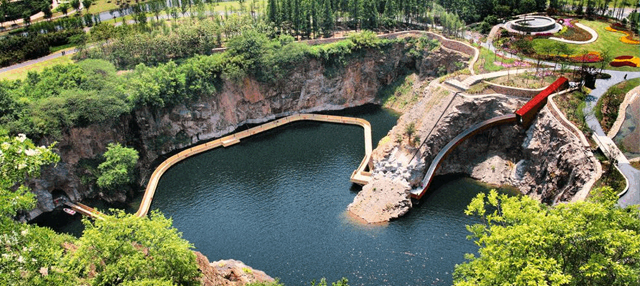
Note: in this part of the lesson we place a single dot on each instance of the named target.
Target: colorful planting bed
(622, 61)
(571, 32)
(627, 39)
(590, 57)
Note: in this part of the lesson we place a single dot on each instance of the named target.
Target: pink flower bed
(567, 22)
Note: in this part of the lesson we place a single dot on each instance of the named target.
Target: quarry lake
(277, 202)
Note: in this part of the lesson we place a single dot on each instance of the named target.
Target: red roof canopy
(541, 96)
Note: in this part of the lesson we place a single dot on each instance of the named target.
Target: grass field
(607, 41)
(484, 64)
(21, 73)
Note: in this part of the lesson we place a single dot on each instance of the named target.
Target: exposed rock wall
(545, 161)
(155, 133)
(228, 272)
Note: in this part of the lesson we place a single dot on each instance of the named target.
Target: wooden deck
(359, 176)
(85, 210)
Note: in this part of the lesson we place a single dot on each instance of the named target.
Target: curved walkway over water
(359, 176)
(473, 130)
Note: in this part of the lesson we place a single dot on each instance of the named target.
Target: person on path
(625, 76)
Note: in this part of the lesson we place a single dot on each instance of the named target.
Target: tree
(117, 169)
(87, 4)
(370, 20)
(523, 242)
(21, 160)
(409, 130)
(356, 11)
(328, 24)
(64, 8)
(273, 11)
(124, 248)
(75, 4)
(27, 250)
(26, 17)
(47, 12)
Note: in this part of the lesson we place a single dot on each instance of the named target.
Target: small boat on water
(69, 211)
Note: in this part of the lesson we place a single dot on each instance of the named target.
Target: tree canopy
(523, 242)
(117, 169)
(124, 248)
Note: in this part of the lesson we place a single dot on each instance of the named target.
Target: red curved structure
(528, 112)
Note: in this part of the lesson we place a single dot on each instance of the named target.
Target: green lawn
(21, 73)
(484, 64)
(607, 41)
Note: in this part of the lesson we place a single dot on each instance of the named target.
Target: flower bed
(629, 61)
(571, 32)
(590, 57)
(565, 22)
(627, 39)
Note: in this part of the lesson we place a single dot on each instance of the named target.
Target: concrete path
(18, 23)
(38, 60)
(632, 195)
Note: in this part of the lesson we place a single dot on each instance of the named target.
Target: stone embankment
(545, 161)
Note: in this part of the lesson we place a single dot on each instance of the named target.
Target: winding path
(631, 195)
(359, 176)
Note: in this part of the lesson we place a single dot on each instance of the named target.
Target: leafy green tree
(75, 4)
(389, 12)
(356, 9)
(29, 253)
(523, 242)
(64, 8)
(370, 18)
(20, 159)
(124, 248)
(409, 130)
(117, 169)
(87, 4)
(328, 24)
(273, 12)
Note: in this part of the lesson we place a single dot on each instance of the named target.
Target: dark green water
(277, 202)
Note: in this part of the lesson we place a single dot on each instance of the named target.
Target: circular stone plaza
(533, 25)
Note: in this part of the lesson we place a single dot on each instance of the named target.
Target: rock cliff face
(228, 272)
(545, 161)
(155, 133)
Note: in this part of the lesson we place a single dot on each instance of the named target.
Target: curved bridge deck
(359, 176)
(499, 120)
